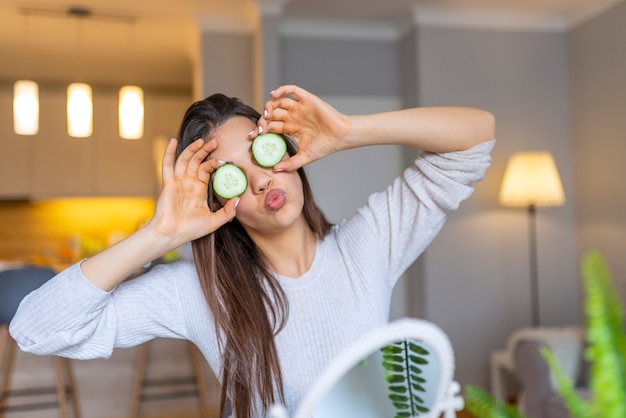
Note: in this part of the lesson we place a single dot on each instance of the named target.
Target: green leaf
(394, 358)
(418, 360)
(400, 360)
(606, 338)
(395, 378)
(418, 388)
(480, 404)
(392, 349)
(415, 369)
(398, 389)
(418, 349)
(393, 367)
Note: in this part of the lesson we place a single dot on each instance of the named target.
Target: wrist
(159, 239)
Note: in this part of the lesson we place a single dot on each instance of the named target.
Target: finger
(277, 127)
(253, 133)
(281, 101)
(292, 163)
(208, 167)
(167, 164)
(290, 90)
(280, 114)
(225, 214)
(200, 156)
(182, 162)
(196, 160)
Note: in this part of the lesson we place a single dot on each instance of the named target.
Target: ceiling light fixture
(131, 107)
(131, 112)
(26, 98)
(79, 95)
(79, 110)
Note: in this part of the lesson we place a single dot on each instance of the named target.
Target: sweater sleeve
(397, 225)
(71, 317)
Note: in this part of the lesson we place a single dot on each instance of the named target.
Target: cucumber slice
(229, 181)
(268, 149)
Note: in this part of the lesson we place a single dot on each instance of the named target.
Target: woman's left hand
(317, 128)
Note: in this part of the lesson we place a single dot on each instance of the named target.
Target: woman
(275, 291)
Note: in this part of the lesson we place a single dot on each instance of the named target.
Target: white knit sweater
(346, 292)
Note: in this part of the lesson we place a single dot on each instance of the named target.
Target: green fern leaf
(480, 404)
(400, 362)
(606, 338)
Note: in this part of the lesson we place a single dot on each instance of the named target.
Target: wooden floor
(460, 414)
(464, 414)
(191, 414)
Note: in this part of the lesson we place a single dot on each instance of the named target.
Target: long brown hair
(249, 307)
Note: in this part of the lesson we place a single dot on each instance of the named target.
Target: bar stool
(15, 284)
(192, 386)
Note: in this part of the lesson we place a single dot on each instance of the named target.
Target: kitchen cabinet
(14, 151)
(52, 164)
(60, 166)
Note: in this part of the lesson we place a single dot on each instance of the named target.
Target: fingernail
(237, 202)
(221, 161)
(272, 92)
(265, 114)
(260, 129)
(251, 132)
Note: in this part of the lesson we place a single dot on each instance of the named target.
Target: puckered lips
(275, 199)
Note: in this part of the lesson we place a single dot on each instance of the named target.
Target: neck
(290, 252)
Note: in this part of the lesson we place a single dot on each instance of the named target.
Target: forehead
(232, 139)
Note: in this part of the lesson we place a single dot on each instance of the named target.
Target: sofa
(539, 396)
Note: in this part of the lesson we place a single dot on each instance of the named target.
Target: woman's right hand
(182, 212)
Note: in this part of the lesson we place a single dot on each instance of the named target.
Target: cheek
(247, 206)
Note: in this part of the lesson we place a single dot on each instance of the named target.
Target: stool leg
(4, 341)
(8, 346)
(69, 377)
(60, 383)
(196, 361)
(140, 371)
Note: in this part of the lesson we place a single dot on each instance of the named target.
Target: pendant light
(26, 107)
(131, 112)
(130, 108)
(79, 110)
(26, 99)
(79, 95)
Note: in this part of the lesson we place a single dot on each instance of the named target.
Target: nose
(260, 180)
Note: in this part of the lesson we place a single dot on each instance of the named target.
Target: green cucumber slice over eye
(229, 181)
(268, 149)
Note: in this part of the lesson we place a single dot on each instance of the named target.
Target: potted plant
(606, 352)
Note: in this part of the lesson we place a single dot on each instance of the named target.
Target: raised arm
(181, 215)
(320, 130)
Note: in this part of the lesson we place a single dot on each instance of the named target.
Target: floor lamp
(531, 180)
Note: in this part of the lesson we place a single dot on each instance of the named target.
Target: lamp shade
(25, 107)
(131, 112)
(531, 179)
(79, 110)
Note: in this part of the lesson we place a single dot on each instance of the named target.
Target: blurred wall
(598, 100)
